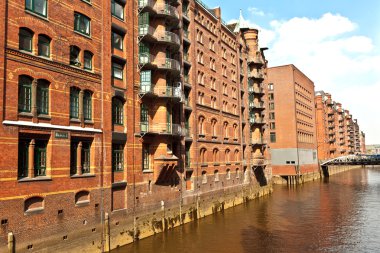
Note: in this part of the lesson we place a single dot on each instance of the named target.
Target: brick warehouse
(337, 133)
(292, 125)
(118, 114)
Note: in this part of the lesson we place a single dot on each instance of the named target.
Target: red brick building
(112, 110)
(291, 118)
(337, 134)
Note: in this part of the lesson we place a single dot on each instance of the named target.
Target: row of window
(26, 43)
(82, 23)
(214, 132)
(32, 157)
(41, 100)
(216, 157)
(216, 175)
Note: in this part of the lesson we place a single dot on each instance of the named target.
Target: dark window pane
(43, 97)
(117, 71)
(23, 154)
(117, 41)
(43, 46)
(24, 94)
(87, 106)
(117, 9)
(74, 103)
(86, 157)
(25, 40)
(87, 60)
(117, 111)
(74, 56)
(117, 157)
(82, 24)
(37, 6)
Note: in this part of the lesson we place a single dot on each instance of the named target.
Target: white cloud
(256, 12)
(335, 57)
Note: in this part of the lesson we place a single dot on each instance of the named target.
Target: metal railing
(146, 30)
(255, 60)
(167, 37)
(255, 74)
(168, 63)
(167, 10)
(256, 120)
(161, 91)
(258, 105)
(146, 3)
(161, 128)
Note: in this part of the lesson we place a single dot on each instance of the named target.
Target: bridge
(359, 159)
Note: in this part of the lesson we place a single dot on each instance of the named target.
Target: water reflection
(339, 214)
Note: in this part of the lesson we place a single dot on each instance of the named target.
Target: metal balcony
(256, 121)
(167, 11)
(168, 64)
(256, 105)
(146, 5)
(255, 74)
(167, 37)
(258, 142)
(256, 90)
(255, 60)
(147, 33)
(161, 128)
(161, 91)
(186, 36)
(187, 134)
(186, 58)
(188, 104)
(146, 59)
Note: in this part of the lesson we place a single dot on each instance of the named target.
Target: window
(273, 137)
(216, 174)
(37, 6)
(117, 41)
(204, 177)
(270, 86)
(144, 118)
(117, 70)
(24, 94)
(87, 105)
(145, 158)
(203, 156)
(74, 56)
(117, 9)
(145, 81)
(271, 106)
(271, 115)
(88, 60)
(38, 149)
(228, 174)
(43, 45)
(86, 146)
(43, 97)
(74, 103)
(82, 24)
(117, 157)
(270, 96)
(117, 111)
(25, 39)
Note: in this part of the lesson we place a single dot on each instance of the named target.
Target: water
(341, 214)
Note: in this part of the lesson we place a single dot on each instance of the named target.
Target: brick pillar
(34, 98)
(32, 144)
(79, 159)
(81, 106)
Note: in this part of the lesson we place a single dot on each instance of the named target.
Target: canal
(339, 214)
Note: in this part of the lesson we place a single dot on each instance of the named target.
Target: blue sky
(335, 42)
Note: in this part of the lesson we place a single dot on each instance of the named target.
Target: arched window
(87, 105)
(228, 174)
(117, 111)
(24, 93)
(34, 204)
(227, 156)
(213, 126)
(216, 175)
(235, 132)
(82, 197)
(204, 177)
(88, 60)
(44, 45)
(74, 103)
(225, 128)
(215, 155)
(203, 156)
(74, 56)
(25, 39)
(200, 126)
(236, 155)
(237, 173)
(43, 97)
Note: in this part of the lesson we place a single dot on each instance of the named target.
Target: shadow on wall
(260, 176)
(168, 176)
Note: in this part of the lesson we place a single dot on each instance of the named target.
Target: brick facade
(337, 133)
(104, 122)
